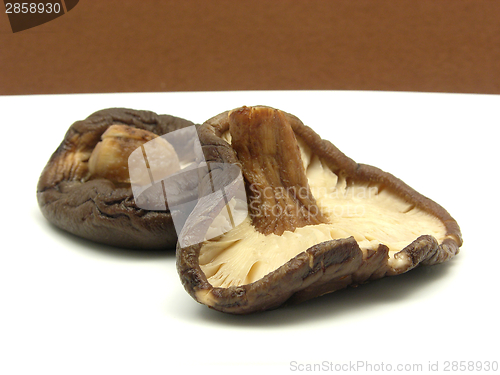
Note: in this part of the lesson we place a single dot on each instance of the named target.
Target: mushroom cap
(322, 267)
(99, 209)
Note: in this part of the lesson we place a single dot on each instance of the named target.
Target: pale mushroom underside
(370, 213)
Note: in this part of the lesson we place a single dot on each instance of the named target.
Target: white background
(70, 306)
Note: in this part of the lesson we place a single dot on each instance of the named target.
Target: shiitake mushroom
(85, 187)
(317, 221)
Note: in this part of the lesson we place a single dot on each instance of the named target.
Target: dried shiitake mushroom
(317, 220)
(85, 187)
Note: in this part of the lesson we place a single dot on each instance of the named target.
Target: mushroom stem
(110, 157)
(279, 195)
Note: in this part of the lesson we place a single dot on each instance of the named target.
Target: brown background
(145, 45)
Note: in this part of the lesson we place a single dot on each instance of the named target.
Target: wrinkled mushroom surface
(318, 221)
(85, 187)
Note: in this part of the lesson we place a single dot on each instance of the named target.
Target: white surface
(69, 306)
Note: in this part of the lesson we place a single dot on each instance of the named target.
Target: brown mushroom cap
(99, 209)
(347, 252)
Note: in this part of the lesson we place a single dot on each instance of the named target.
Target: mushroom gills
(369, 213)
